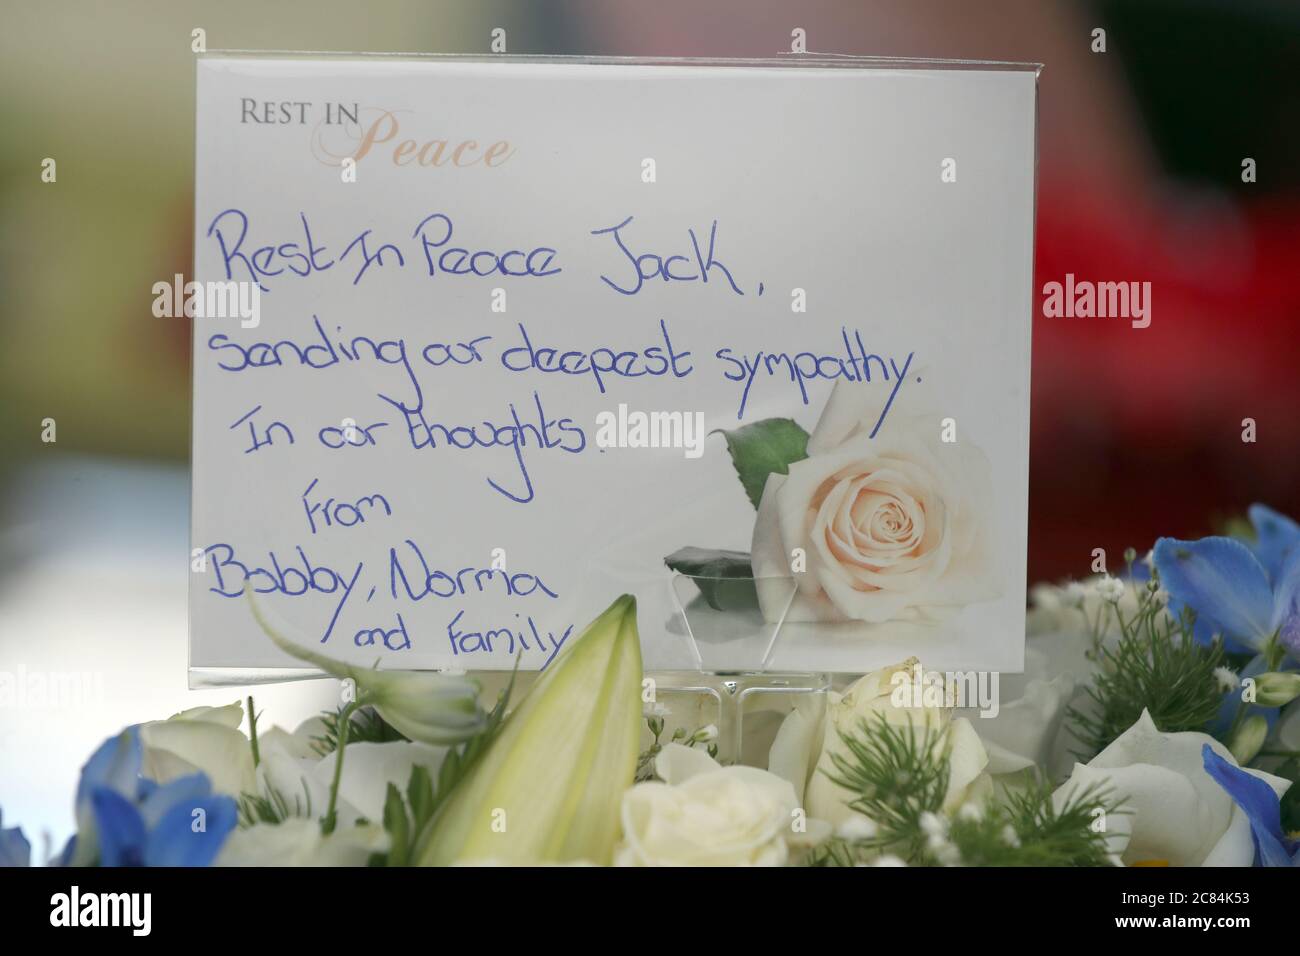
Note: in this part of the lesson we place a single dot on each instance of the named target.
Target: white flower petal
(368, 769)
(676, 763)
(230, 715)
(798, 742)
(728, 816)
(967, 760)
(1175, 811)
(300, 843)
(182, 746)
(1027, 727)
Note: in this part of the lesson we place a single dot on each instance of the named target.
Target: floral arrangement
(1157, 723)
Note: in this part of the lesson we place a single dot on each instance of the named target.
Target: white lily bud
(1276, 689)
(549, 786)
(426, 707)
(1248, 738)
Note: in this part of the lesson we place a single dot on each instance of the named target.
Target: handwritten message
(481, 399)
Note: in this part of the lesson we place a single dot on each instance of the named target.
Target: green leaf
(725, 578)
(448, 773)
(1291, 799)
(273, 807)
(366, 726)
(419, 796)
(1156, 666)
(763, 448)
(398, 828)
(897, 777)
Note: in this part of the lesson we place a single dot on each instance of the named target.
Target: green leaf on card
(725, 578)
(763, 448)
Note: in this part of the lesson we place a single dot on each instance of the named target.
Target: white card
(510, 317)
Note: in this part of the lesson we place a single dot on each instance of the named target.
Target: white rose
(291, 767)
(704, 814)
(299, 842)
(1171, 811)
(1031, 709)
(891, 527)
(810, 737)
(206, 739)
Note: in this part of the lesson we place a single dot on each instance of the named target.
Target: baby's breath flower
(887, 859)
(1075, 594)
(1046, 597)
(1109, 588)
(1009, 836)
(946, 853)
(857, 827)
(971, 812)
(1226, 678)
(933, 825)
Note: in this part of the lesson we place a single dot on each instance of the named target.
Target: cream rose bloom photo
(891, 527)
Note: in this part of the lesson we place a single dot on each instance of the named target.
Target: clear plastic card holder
(724, 624)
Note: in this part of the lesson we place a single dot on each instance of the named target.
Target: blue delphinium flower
(14, 848)
(1262, 806)
(1276, 538)
(126, 820)
(1248, 594)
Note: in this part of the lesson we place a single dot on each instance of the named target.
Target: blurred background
(1136, 432)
